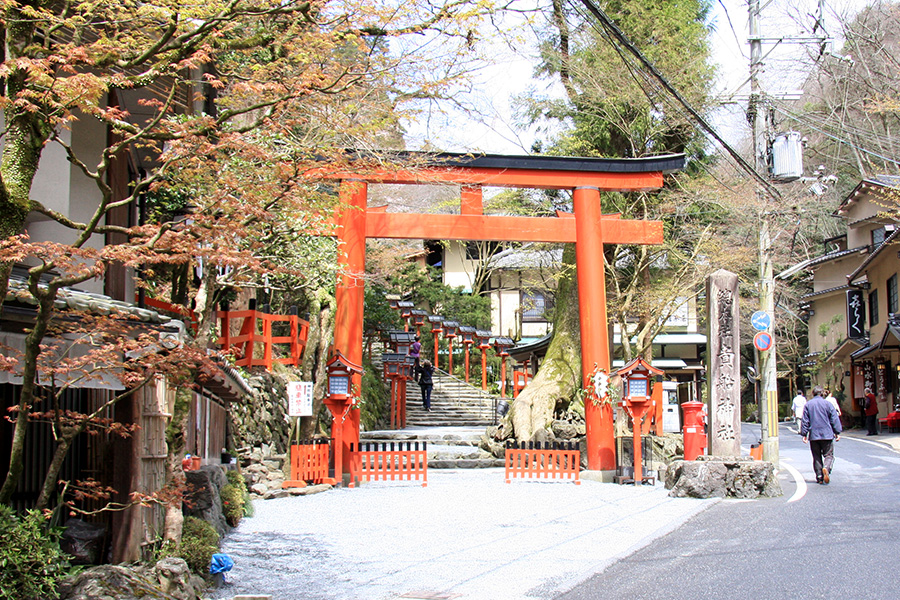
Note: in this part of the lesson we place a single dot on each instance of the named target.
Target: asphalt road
(836, 541)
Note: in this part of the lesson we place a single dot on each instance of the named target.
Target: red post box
(694, 434)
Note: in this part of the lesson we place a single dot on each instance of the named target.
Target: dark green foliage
(232, 504)
(378, 314)
(199, 541)
(375, 408)
(31, 563)
(425, 289)
(236, 500)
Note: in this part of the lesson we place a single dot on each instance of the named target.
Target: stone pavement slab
(467, 535)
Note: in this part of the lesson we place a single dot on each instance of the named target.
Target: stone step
(447, 447)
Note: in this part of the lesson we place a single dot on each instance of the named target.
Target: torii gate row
(587, 228)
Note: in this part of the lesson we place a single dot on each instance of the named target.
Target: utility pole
(756, 114)
(762, 135)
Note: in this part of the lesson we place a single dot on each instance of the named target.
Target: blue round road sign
(761, 320)
(763, 341)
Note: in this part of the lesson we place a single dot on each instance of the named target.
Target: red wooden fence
(250, 335)
(557, 460)
(309, 463)
(374, 461)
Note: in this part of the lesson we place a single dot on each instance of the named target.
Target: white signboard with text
(300, 398)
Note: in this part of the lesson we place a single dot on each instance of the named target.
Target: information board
(300, 398)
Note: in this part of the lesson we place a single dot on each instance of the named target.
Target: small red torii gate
(587, 228)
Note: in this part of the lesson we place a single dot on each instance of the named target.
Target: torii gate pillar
(349, 298)
(601, 452)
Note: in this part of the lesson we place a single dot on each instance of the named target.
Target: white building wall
(861, 234)
(61, 186)
(458, 270)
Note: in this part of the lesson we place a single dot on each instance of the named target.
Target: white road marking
(798, 479)
(870, 442)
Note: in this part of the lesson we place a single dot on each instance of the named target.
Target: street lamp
(418, 319)
(636, 378)
(468, 338)
(501, 347)
(450, 328)
(339, 400)
(436, 329)
(484, 342)
(402, 340)
(405, 309)
(391, 362)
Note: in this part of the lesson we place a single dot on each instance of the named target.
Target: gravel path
(467, 535)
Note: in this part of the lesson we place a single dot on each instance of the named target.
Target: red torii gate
(587, 228)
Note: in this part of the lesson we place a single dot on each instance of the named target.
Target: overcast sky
(497, 132)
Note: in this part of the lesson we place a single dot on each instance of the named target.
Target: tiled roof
(818, 260)
(824, 292)
(887, 242)
(75, 299)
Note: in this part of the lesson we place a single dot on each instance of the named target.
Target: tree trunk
(559, 375)
(175, 441)
(321, 332)
(27, 395)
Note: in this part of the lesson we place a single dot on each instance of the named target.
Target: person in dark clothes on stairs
(426, 383)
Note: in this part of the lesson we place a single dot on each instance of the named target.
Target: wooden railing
(245, 342)
(550, 460)
(374, 461)
(177, 310)
(309, 464)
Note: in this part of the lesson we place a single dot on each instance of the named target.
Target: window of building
(878, 236)
(534, 306)
(873, 308)
(892, 306)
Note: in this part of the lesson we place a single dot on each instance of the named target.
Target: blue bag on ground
(220, 564)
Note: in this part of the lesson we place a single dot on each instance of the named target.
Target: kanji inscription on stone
(724, 368)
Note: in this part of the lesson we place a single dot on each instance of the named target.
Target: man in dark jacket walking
(821, 427)
(425, 373)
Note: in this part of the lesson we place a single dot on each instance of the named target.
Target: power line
(811, 124)
(617, 33)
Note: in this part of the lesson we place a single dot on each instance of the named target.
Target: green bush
(199, 541)
(236, 479)
(232, 504)
(375, 411)
(31, 563)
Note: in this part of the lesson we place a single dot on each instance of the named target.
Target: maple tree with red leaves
(222, 110)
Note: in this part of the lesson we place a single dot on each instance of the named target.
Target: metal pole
(756, 116)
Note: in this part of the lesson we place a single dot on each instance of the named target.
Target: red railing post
(483, 368)
(267, 341)
(224, 330)
(295, 342)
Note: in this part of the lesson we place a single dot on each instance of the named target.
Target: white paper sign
(300, 398)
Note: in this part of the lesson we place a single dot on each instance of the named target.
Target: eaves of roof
(880, 183)
(75, 299)
(824, 292)
(887, 242)
(818, 260)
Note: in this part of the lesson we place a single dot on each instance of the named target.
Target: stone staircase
(460, 414)
(453, 403)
